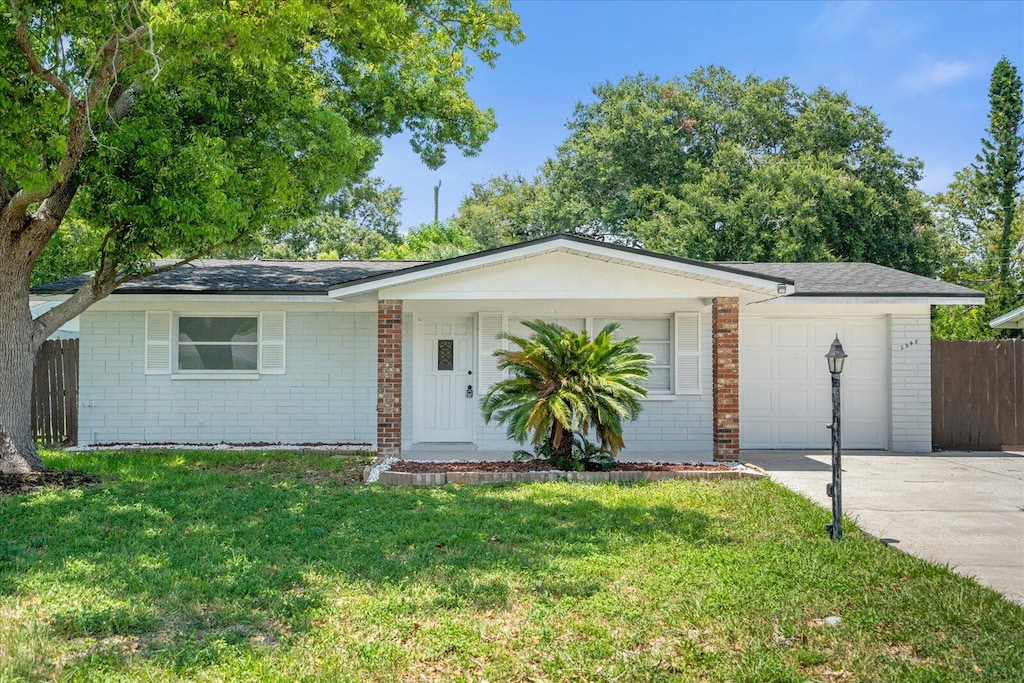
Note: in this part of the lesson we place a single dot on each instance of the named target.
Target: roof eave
(884, 298)
(1014, 320)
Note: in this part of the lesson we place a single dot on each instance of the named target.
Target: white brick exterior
(327, 394)
(670, 424)
(328, 391)
(910, 338)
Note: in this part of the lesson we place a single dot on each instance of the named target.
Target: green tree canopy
(432, 242)
(176, 128)
(981, 217)
(359, 222)
(504, 210)
(714, 167)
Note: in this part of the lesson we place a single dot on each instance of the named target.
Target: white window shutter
(489, 324)
(272, 336)
(687, 333)
(158, 342)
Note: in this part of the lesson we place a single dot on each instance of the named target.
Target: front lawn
(227, 566)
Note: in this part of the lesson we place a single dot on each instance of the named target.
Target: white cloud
(838, 19)
(932, 74)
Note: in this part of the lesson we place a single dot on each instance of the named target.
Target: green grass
(226, 566)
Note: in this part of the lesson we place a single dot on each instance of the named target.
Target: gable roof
(221, 276)
(718, 273)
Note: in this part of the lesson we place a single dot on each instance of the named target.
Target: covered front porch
(439, 326)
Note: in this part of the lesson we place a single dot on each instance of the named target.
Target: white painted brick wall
(910, 339)
(327, 394)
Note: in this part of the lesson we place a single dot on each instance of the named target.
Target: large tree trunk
(17, 358)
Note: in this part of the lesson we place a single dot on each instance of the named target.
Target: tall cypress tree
(1000, 174)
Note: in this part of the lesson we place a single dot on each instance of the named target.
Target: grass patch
(272, 566)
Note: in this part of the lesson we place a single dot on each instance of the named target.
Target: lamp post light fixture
(835, 357)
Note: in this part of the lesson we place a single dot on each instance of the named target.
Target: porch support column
(389, 378)
(725, 364)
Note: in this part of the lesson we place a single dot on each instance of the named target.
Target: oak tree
(715, 167)
(178, 128)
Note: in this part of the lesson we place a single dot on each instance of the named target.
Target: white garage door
(785, 391)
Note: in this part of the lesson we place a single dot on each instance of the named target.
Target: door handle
(469, 391)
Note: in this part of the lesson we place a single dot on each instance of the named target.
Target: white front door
(445, 404)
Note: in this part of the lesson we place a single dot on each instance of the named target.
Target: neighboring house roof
(68, 330)
(216, 276)
(1014, 320)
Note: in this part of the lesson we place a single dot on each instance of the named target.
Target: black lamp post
(835, 357)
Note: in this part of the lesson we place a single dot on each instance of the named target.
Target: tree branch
(108, 67)
(162, 269)
(100, 284)
(89, 293)
(46, 75)
(57, 197)
(438, 22)
(17, 206)
(124, 102)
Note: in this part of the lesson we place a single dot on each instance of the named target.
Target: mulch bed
(37, 481)
(540, 466)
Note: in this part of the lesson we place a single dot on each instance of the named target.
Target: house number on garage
(913, 342)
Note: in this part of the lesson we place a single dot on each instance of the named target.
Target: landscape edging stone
(389, 478)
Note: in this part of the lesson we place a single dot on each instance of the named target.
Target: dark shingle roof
(856, 279)
(216, 276)
(220, 276)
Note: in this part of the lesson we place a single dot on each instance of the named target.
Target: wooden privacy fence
(977, 394)
(55, 392)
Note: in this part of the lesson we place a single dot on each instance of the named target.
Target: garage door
(785, 392)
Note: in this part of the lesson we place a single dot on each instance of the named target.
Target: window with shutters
(655, 336)
(217, 343)
(243, 346)
(673, 340)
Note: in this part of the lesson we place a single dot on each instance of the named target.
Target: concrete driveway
(965, 510)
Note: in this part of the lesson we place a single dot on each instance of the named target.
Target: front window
(223, 343)
(656, 339)
(655, 336)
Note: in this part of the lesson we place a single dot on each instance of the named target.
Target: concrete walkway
(965, 510)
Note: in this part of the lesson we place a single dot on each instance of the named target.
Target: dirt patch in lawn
(291, 468)
(540, 466)
(37, 481)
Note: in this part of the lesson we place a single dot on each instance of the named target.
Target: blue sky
(923, 67)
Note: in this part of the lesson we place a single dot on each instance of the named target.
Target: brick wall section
(911, 353)
(389, 378)
(725, 376)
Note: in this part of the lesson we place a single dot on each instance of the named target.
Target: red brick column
(389, 378)
(725, 372)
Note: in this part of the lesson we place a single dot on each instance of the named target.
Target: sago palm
(562, 382)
